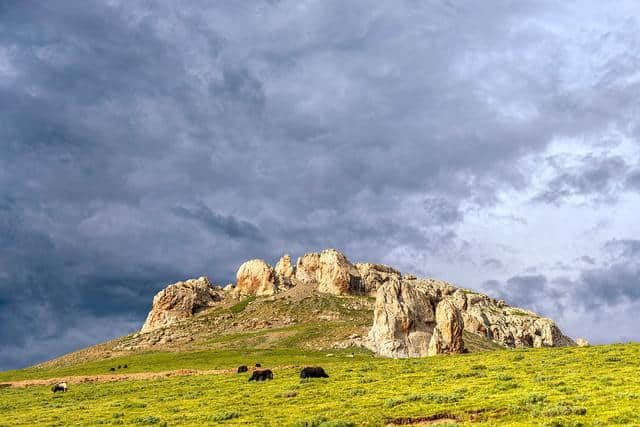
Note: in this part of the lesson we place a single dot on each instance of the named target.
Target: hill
(325, 302)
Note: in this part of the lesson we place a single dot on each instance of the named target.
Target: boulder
(373, 276)
(284, 272)
(336, 275)
(581, 342)
(447, 335)
(256, 277)
(307, 267)
(331, 271)
(180, 301)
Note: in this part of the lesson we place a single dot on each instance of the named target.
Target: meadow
(597, 385)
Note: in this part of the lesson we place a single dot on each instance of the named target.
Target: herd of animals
(257, 375)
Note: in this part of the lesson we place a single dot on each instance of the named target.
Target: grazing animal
(263, 375)
(119, 366)
(112, 369)
(59, 387)
(125, 366)
(242, 368)
(258, 365)
(309, 372)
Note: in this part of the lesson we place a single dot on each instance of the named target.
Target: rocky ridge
(411, 317)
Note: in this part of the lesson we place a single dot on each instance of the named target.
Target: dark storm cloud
(149, 142)
(217, 223)
(598, 177)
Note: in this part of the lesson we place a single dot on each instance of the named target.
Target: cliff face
(412, 317)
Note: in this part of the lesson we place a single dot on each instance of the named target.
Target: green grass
(555, 387)
(239, 307)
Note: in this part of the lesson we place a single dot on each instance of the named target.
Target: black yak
(242, 368)
(313, 373)
(263, 375)
(59, 387)
(258, 365)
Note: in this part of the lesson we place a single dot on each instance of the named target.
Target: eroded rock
(403, 320)
(331, 271)
(180, 301)
(373, 276)
(447, 335)
(581, 342)
(285, 272)
(256, 277)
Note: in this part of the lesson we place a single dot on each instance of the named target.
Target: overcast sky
(142, 143)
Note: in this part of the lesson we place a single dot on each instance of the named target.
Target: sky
(147, 142)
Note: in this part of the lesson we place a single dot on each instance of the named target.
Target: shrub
(223, 416)
(440, 398)
(287, 394)
(507, 386)
(312, 422)
(504, 377)
(533, 399)
(148, 420)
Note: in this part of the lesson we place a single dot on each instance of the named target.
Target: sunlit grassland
(570, 386)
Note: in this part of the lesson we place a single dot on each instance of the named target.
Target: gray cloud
(144, 143)
(599, 178)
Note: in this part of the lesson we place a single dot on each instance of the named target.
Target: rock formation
(331, 271)
(284, 272)
(256, 277)
(412, 317)
(581, 342)
(373, 276)
(404, 323)
(405, 317)
(509, 326)
(180, 301)
(447, 335)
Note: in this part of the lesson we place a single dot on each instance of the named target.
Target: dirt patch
(77, 379)
(431, 420)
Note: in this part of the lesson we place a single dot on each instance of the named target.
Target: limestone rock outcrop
(180, 301)
(373, 276)
(509, 326)
(412, 316)
(409, 322)
(447, 335)
(331, 271)
(256, 277)
(420, 317)
(284, 272)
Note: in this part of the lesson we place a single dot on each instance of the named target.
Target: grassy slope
(556, 386)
